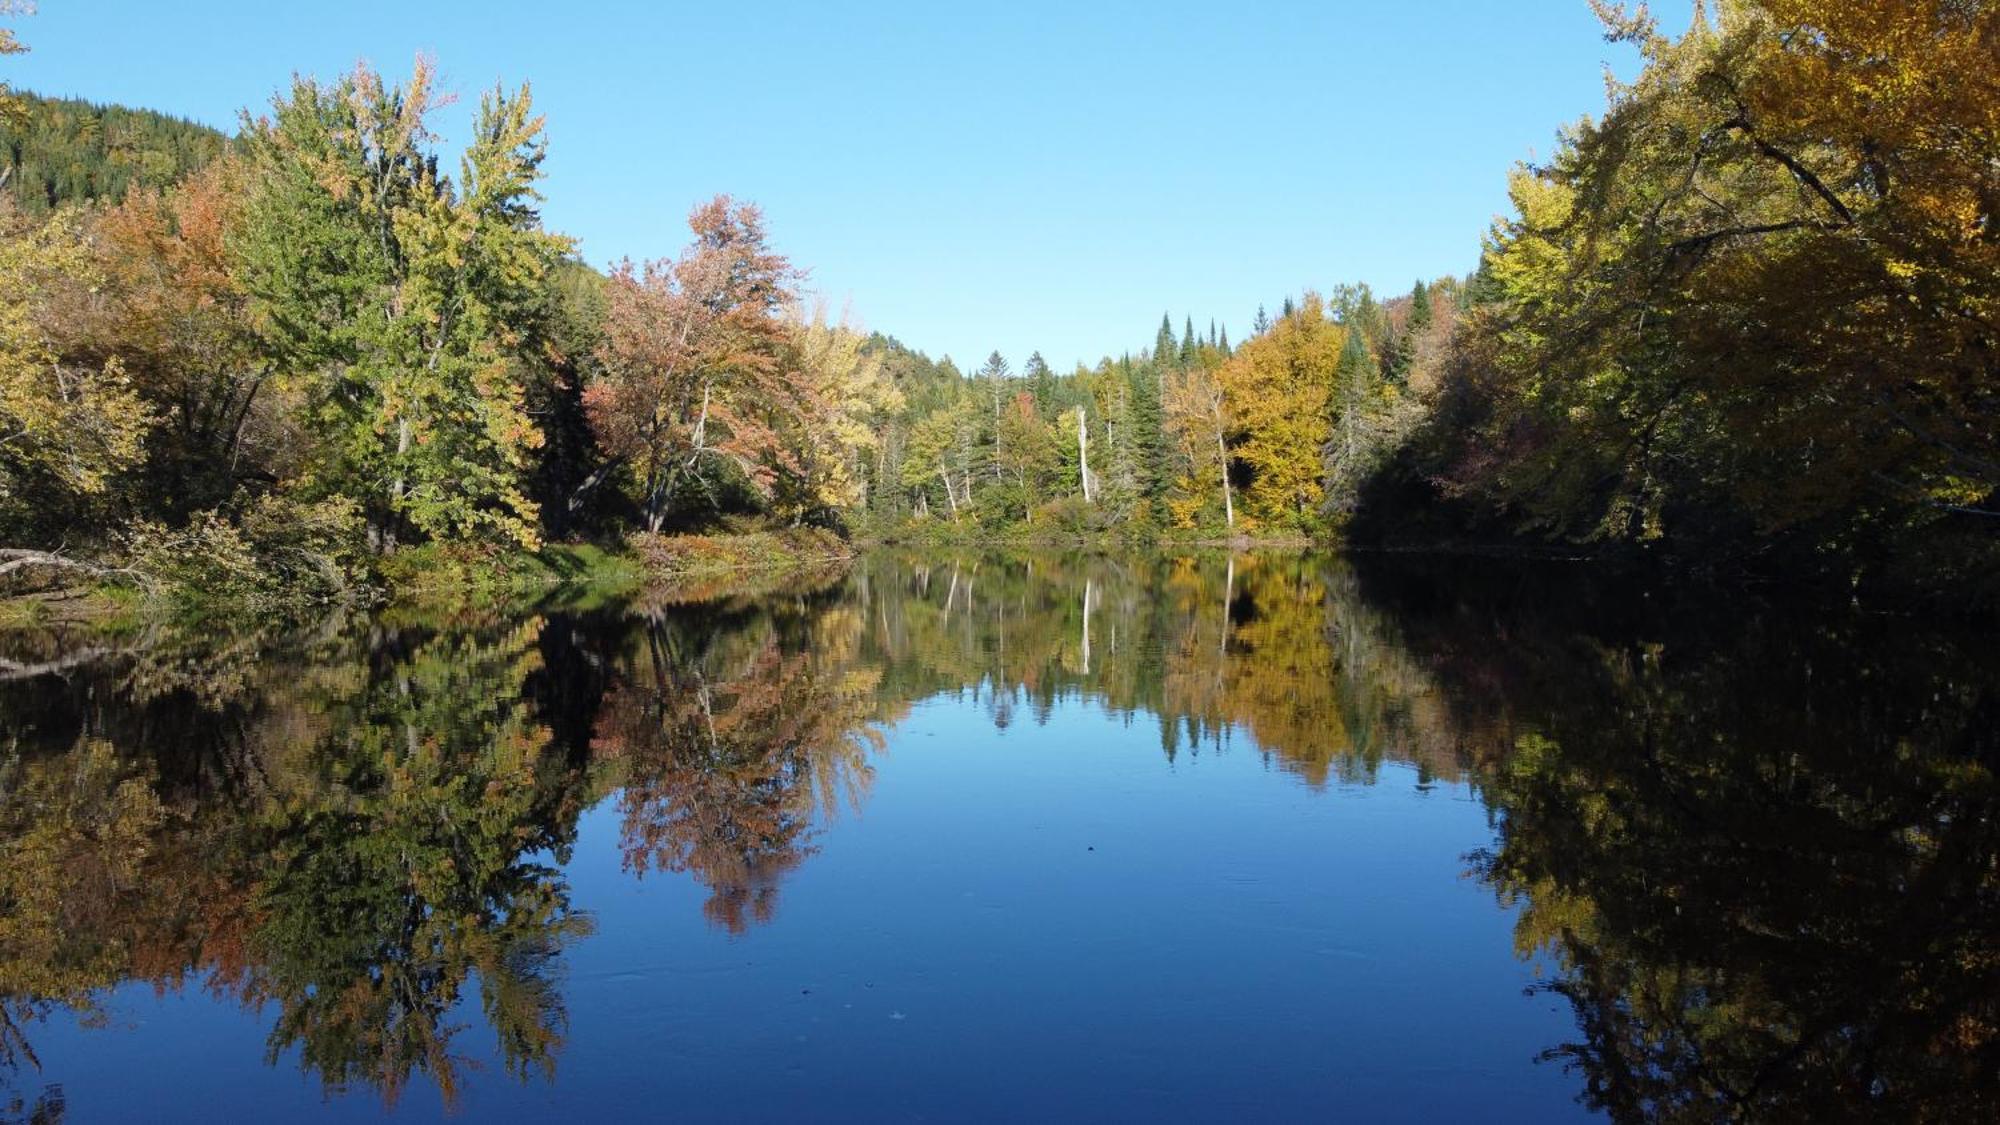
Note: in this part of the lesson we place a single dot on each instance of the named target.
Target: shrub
(278, 555)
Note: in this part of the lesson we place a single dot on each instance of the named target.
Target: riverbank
(671, 568)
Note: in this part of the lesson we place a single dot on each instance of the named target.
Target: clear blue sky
(1020, 176)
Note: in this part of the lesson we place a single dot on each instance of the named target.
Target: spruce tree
(1403, 355)
(1262, 324)
(1041, 383)
(1148, 444)
(1187, 343)
(1164, 348)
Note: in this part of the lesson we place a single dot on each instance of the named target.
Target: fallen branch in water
(21, 558)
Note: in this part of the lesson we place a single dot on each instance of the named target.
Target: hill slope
(70, 150)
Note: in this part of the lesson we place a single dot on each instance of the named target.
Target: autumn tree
(12, 109)
(1024, 453)
(1753, 305)
(68, 429)
(855, 401)
(385, 294)
(170, 310)
(698, 378)
(942, 448)
(1278, 388)
(1197, 418)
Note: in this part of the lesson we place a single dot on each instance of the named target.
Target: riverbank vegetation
(1744, 321)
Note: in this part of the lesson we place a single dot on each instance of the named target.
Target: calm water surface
(1030, 837)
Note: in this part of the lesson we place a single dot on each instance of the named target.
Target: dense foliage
(1751, 314)
(1745, 319)
(60, 150)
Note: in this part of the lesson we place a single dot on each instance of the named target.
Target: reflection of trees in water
(731, 741)
(411, 867)
(354, 880)
(1759, 861)
(1279, 648)
(1759, 855)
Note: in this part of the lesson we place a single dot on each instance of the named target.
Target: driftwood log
(13, 559)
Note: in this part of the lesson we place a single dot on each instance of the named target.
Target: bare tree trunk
(949, 495)
(1083, 455)
(1222, 464)
(398, 486)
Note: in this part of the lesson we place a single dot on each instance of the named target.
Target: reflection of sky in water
(1269, 908)
(1037, 921)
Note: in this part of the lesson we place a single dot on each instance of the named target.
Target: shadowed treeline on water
(1753, 850)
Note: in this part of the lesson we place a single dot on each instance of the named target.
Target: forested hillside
(1745, 321)
(61, 150)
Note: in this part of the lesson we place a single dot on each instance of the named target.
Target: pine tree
(1187, 343)
(1041, 383)
(1403, 354)
(1420, 309)
(1164, 347)
(1262, 324)
(1289, 310)
(1223, 346)
(1148, 448)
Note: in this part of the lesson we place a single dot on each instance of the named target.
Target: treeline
(1745, 320)
(1748, 321)
(324, 345)
(60, 150)
(1191, 433)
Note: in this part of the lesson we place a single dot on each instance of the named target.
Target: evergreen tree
(1420, 309)
(1262, 324)
(995, 367)
(1289, 310)
(1403, 355)
(1041, 383)
(1164, 347)
(1187, 342)
(1148, 448)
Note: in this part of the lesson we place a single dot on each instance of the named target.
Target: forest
(1742, 323)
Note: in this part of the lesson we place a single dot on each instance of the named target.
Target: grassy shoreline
(566, 575)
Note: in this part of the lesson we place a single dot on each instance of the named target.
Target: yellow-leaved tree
(1278, 390)
(851, 399)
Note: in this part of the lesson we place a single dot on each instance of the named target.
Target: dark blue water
(1277, 841)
